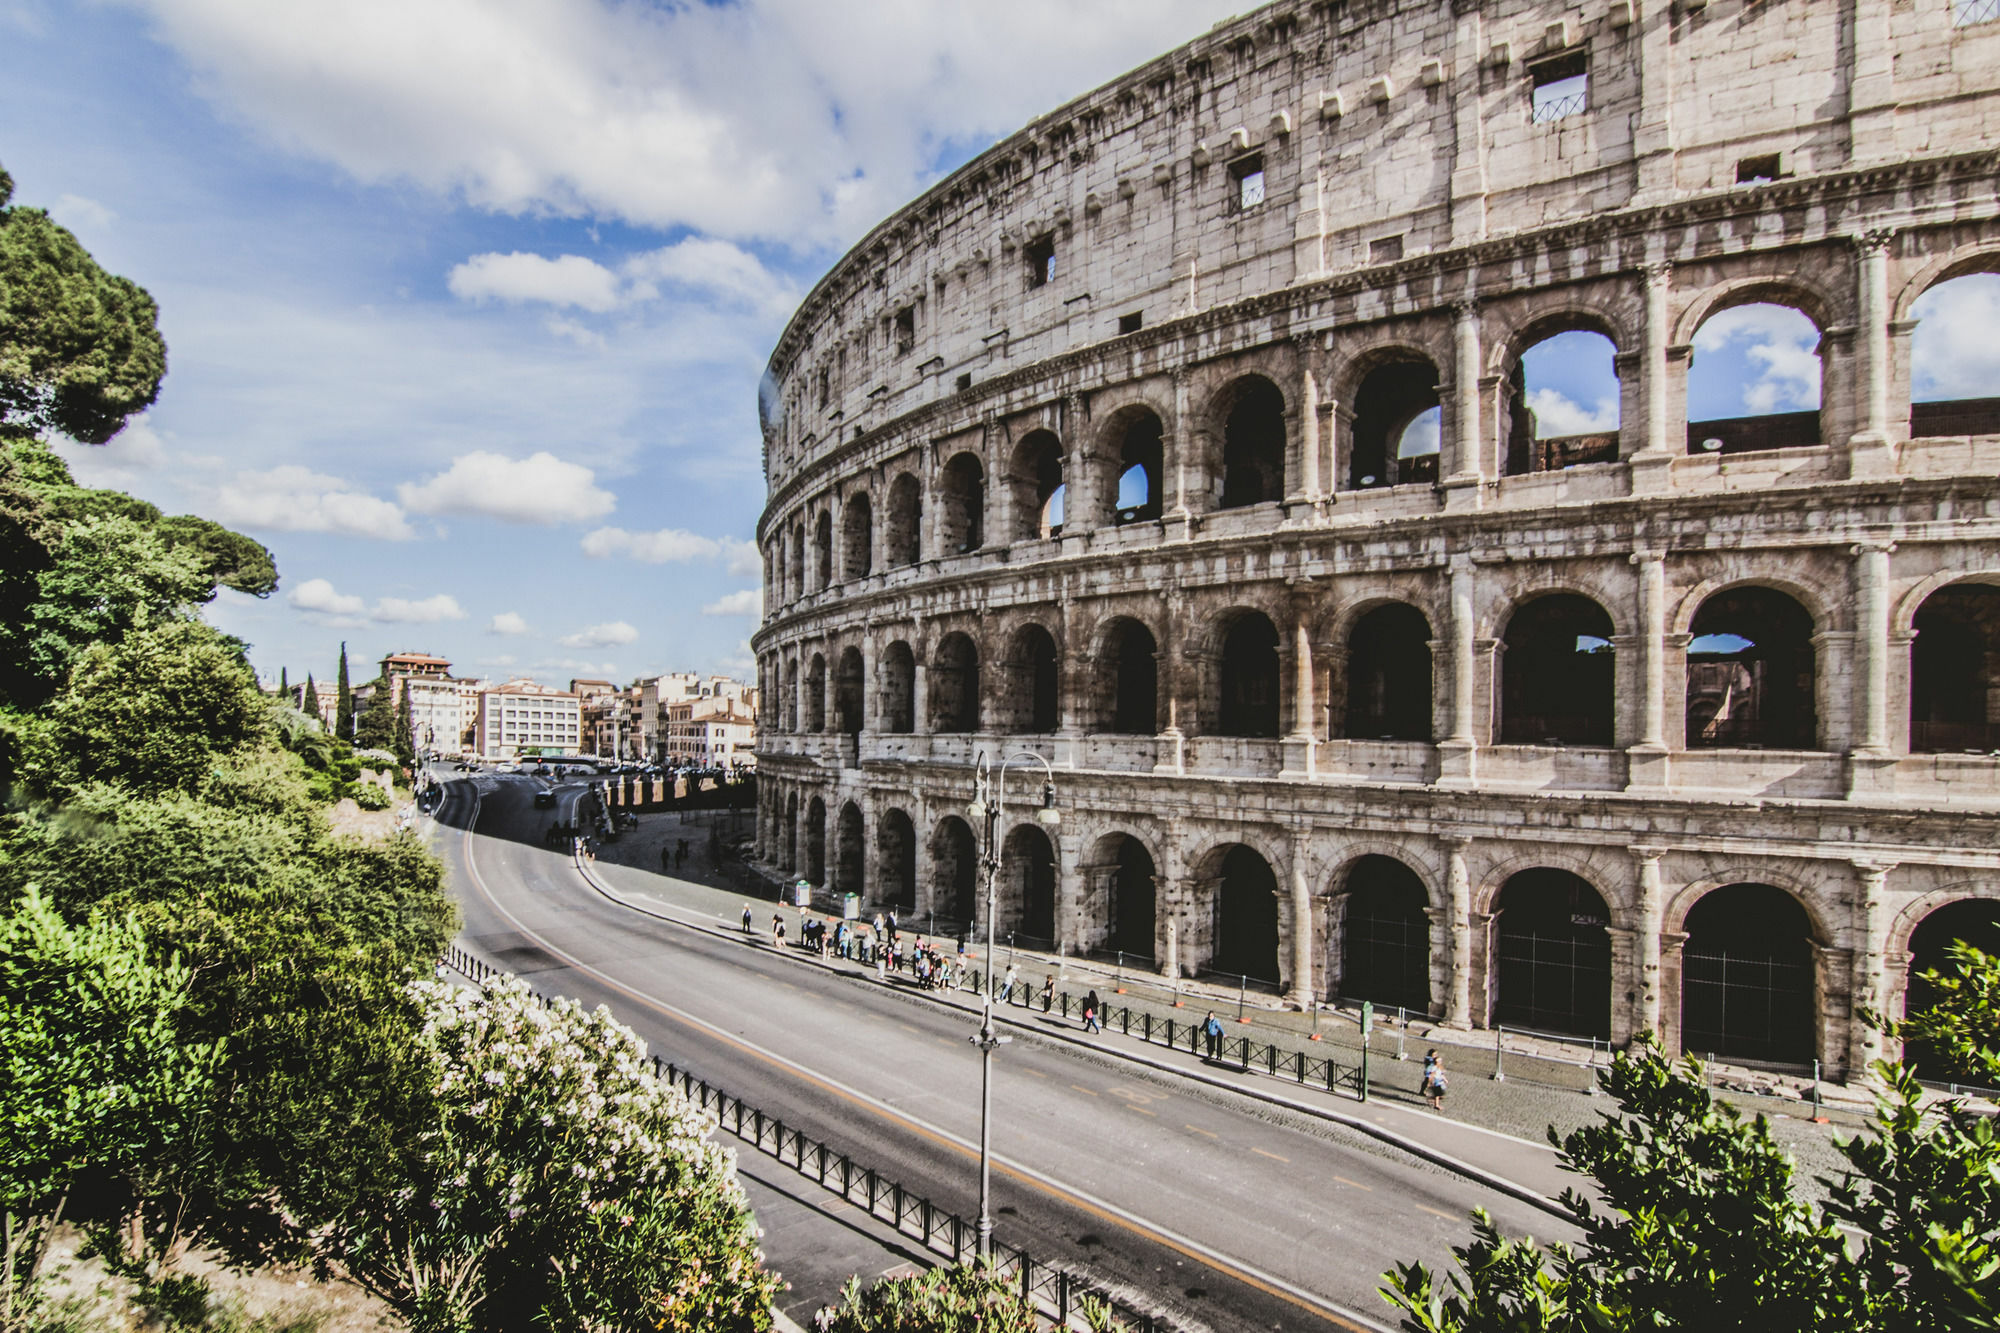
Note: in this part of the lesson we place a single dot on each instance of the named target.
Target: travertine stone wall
(1414, 211)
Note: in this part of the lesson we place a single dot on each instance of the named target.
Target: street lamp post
(988, 796)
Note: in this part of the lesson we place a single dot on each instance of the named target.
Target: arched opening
(1026, 702)
(962, 522)
(1389, 675)
(1973, 921)
(1138, 458)
(816, 694)
(788, 840)
(849, 682)
(1954, 364)
(899, 679)
(823, 549)
(903, 525)
(1027, 887)
(1747, 976)
(1562, 403)
(896, 860)
(1247, 677)
(1750, 673)
(954, 685)
(1753, 381)
(1035, 482)
(791, 699)
(1955, 670)
(1132, 897)
(850, 861)
(1556, 676)
(797, 581)
(1246, 916)
(1253, 444)
(955, 867)
(1128, 680)
(1395, 435)
(816, 841)
(1552, 956)
(857, 537)
(1385, 936)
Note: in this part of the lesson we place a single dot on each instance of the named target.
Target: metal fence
(1059, 1292)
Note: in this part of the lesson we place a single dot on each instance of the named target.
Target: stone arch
(1737, 426)
(1036, 486)
(954, 684)
(1748, 989)
(1523, 448)
(903, 523)
(1551, 969)
(857, 537)
(823, 549)
(815, 718)
(1391, 387)
(1028, 879)
(1797, 291)
(1125, 685)
(1945, 406)
(850, 681)
(1245, 694)
(962, 504)
(1387, 686)
(954, 871)
(1245, 910)
(1385, 933)
(1960, 262)
(796, 580)
(1132, 445)
(1558, 678)
(1248, 419)
(1673, 912)
(1955, 668)
(1026, 694)
(896, 860)
(1751, 672)
(1604, 881)
(1973, 919)
(788, 842)
(1824, 606)
(898, 669)
(1903, 617)
(850, 859)
(815, 867)
(1125, 906)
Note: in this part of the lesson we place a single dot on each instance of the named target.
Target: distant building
(522, 716)
(658, 696)
(711, 733)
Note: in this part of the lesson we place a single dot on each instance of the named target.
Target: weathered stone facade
(1317, 706)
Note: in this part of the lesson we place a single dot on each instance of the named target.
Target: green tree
(969, 1298)
(375, 720)
(80, 349)
(1963, 1023)
(93, 1072)
(285, 686)
(406, 741)
(309, 701)
(343, 700)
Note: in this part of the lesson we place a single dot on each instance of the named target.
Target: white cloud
(577, 333)
(712, 268)
(1556, 415)
(508, 622)
(666, 546)
(74, 210)
(540, 488)
(1953, 353)
(119, 463)
(319, 596)
(297, 499)
(567, 280)
(609, 634)
(748, 602)
(429, 611)
(775, 118)
(1422, 435)
(742, 558)
(1778, 366)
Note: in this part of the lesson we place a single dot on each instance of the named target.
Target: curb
(1415, 1148)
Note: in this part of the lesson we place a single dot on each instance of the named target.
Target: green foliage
(93, 1070)
(343, 715)
(375, 722)
(80, 349)
(1698, 1226)
(226, 558)
(405, 742)
(369, 795)
(1963, 1023)
(554, 1184)
(309, 702)
(970, 1298)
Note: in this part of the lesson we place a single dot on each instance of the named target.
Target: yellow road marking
(1085, 1091)
(1140, 1109)
(1438, 1212)
(1355, 1184)
(1273, 1156)
(1211, 1133)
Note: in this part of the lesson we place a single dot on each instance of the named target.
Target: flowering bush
(555, 1183)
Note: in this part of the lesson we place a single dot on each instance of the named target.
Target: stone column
(1648, 759)
(1462, 468)
(1457, 751)
(1180, 439)
(1651, 465)
(1646, 941)
(1871, 449)
(1170, 755)
(1303, 992)
(1871, 767)
(1869, 986)
(1306, 491)
(1458, 896)
(1299, 746)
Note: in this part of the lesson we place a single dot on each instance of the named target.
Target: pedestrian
(1212, 1031)
(746, 918)
(892, 924)
(881, 963)
(1049, 992)
(666, 858)
(778, 929)
(1007, 984)
(1092, 1020)
(1430, 1067)
(1439, 1083)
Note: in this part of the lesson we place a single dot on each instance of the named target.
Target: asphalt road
(1214, 1210)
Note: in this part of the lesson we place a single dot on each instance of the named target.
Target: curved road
(1210, 1209)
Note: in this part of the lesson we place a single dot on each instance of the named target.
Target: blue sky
(467, 300)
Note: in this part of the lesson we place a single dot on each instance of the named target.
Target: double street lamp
(988, 795)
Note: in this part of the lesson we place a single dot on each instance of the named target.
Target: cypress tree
(406, 741)
(309, 701)
(343, 701)
(284, 686)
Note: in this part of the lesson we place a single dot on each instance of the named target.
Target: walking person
(1212, 1032)
(1007, 983)
(778, 930)
(1439, 1084)
(1092, 1020)
(746, 918)
(881, 962)
(1430, 1066)
(666, 858)
(1049, 993)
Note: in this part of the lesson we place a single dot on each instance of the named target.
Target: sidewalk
(1494, 1127)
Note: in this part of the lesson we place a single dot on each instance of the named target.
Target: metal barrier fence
(1060, 1293)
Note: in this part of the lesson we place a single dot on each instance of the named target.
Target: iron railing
(1060, 1292)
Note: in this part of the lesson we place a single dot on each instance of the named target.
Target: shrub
(369, 796)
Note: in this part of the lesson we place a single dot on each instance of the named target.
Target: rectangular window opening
(906, 329)
(1247, 176)
(1763, 167)
(1561, 87)
(1131, 323)
(1965, 13)
(1385, 249)
(1041, 257)
(963, 382)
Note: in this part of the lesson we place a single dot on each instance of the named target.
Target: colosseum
(1197, 439)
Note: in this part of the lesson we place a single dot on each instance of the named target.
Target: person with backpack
(1430, 1064)
(1212, 1031)
(1093, 1018)
(1438, 1084)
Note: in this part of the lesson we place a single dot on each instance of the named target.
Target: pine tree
(284, 686)
(309, 701)
(343, 701)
